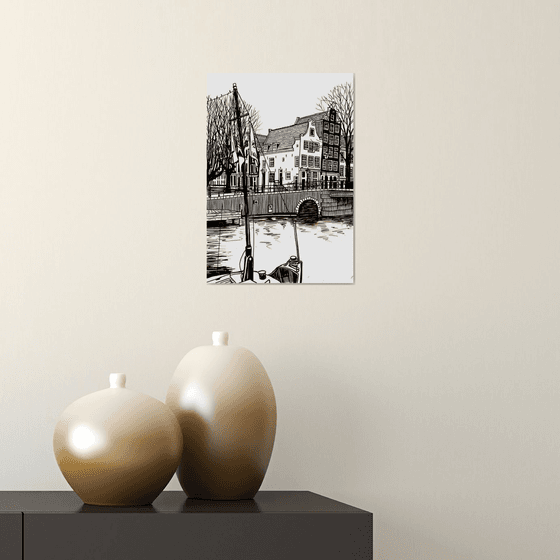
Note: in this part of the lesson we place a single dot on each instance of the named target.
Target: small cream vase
(225, 405)
(117, 447)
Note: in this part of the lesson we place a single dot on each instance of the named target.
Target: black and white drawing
(280, 178)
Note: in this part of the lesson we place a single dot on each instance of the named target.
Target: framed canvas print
(280, 178)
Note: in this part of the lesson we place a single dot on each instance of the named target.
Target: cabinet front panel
(11, 526)
(201, 536)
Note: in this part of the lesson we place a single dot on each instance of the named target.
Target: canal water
(326, 248)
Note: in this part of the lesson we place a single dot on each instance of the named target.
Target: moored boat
(289, 272)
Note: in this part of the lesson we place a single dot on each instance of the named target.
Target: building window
(336, 153)
(332, 115)
(332, 128)
(311, 132)
(271, 162)
(324, 167)
(329, 165)
(288, 175)
(315, 175)
(303, 160)
(331, 152)
(351, 172)
(342, 169)
(311, 146)
(317, 161)
(271, 177)
(296, 161)
(337, 128)
(306, 144)
(337, 140)
(335, 165)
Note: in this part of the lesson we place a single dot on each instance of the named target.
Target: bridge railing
(285, 187)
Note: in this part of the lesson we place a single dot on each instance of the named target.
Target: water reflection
(325, 246)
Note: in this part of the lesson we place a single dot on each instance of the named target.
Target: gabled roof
(285, 137)
(316, 118)
(260, 141)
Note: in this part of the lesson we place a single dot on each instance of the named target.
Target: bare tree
(217, 127)
(252, 120)
(253, 116)
(341, 99)
(222, 134)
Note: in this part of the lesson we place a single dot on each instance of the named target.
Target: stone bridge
(329, 203)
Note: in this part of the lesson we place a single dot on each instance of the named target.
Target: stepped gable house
(306, 153)
(291, 154)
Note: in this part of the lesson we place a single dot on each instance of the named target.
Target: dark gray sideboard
(283, 525)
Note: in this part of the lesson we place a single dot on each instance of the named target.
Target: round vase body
(117, 447)
(225, 405)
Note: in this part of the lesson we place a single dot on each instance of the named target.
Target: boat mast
(248, 265)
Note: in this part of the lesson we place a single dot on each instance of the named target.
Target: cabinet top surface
(176, 502)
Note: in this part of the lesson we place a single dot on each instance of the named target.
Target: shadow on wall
(395, 542)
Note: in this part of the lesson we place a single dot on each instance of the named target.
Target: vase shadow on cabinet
(223, 506)
(88, 508)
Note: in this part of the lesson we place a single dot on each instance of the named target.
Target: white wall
(427, 392)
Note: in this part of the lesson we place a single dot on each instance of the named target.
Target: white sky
(279, 98)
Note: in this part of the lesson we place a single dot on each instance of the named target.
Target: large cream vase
(225, 405)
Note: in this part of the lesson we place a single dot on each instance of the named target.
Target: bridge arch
(317, 202)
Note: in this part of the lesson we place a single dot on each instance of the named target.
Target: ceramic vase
(117, 447)
(225, 405)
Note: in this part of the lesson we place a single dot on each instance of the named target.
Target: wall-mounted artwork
(280, 179)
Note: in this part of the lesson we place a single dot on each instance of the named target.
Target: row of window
(331, 139)
(237, 181)
(329, 165)
(307, 161)
(331, 127)
(311, 146)
(330, 152)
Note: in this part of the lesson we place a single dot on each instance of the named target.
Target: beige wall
(428, 391)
